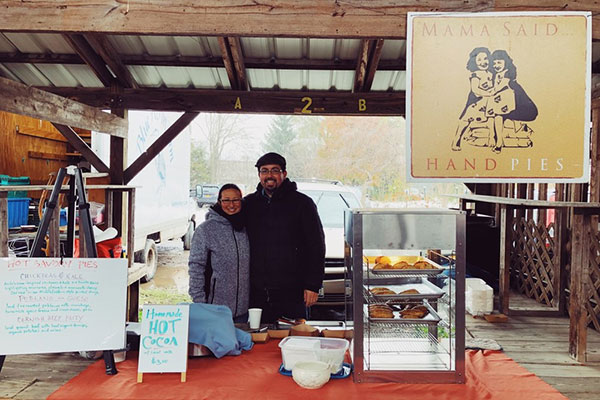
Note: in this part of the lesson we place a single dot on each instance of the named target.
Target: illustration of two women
(494, 98)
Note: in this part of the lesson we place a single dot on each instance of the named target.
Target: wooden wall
(34, 148)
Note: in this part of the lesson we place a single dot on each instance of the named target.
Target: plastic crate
(6, 180)
(18, 210)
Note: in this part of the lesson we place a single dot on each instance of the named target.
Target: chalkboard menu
(164, 339)
(50, 305)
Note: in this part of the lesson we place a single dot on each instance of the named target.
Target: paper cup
(254, 317)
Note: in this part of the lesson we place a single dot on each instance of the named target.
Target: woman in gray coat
(219, 264)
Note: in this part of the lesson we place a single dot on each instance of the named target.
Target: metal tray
(427, 290)
(430, 319)
(437, 269)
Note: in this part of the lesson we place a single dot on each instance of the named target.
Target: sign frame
(514, 178)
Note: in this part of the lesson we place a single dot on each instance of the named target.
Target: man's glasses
(231, 201)
(273, 171)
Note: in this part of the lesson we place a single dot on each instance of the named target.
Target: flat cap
(271, 158)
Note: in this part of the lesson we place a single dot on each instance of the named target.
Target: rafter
(228, 63)
(238, 101)
(91, 58)
(109, 55)
(238, 62)
(373, 63)
(362, 61)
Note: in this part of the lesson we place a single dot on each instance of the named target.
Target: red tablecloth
(254, 375)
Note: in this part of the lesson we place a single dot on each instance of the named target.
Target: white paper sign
(49, 306)
(164, 341)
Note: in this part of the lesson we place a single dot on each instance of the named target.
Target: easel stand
(86, 235)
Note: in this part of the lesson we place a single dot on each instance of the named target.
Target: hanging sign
(498, 97)
(50, 305)
(164, 339)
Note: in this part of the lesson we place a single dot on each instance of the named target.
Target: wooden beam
(91, 58)
(374, 56)
(361, 65)
(111, 58)
(283, 18)
(231, 101)
(197, 61)
(160, 143)
(82, 147)
(228, 63)
(238, 62)
(25, 100)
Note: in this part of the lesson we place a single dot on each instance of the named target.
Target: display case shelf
(404, 347)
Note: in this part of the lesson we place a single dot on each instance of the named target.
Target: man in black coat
(287, 244)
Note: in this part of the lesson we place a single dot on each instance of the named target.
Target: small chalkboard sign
(164, 339)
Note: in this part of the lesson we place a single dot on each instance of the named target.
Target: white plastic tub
(301, 348)
(479, 297)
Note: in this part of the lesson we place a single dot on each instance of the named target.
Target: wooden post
(54, 233)
(580, 259)
(560, 258)
(504, 264)
(543, 195)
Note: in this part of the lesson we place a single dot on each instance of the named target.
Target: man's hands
(310, 297)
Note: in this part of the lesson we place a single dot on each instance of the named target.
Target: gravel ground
(172, 273)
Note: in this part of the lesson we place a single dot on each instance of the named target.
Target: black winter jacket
(287, 242)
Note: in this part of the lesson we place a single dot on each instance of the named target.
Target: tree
(280, 135)
(199, 172)
(218, 131)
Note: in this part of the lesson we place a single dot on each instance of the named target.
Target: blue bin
(6, 180)
(18, 211)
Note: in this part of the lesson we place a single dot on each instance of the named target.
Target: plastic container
(300, 348)
(479, 297)
(18, 211)
(6, 180)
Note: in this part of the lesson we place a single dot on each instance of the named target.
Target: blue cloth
(211, 325)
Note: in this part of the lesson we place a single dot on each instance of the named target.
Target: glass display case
(407, 272)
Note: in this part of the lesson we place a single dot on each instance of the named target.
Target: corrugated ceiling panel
(28, 74)
(257, 47)
(262, 78)
(145, 76)
(127, 44)
(319, 80)
(180, 77)
(389, 80)
(6, 45)
(290, 48)
(58, 75)
(393, 50)
(343, 80)
(291, 79)
(197, 46)
(7, 73)
(209, 78)
(347, 49)
(321, 49)
(84, 75)
(39, 43)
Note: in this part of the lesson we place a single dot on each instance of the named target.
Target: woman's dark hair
(511, 68)
(228, 186)
(471, 64)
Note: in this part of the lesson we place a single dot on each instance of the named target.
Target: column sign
(498, 97)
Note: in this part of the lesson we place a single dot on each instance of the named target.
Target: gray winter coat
(219, 265)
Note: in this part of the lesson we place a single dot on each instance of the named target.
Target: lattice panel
(532, 260)
(593, 283)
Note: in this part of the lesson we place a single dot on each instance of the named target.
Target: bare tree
(219, 130)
